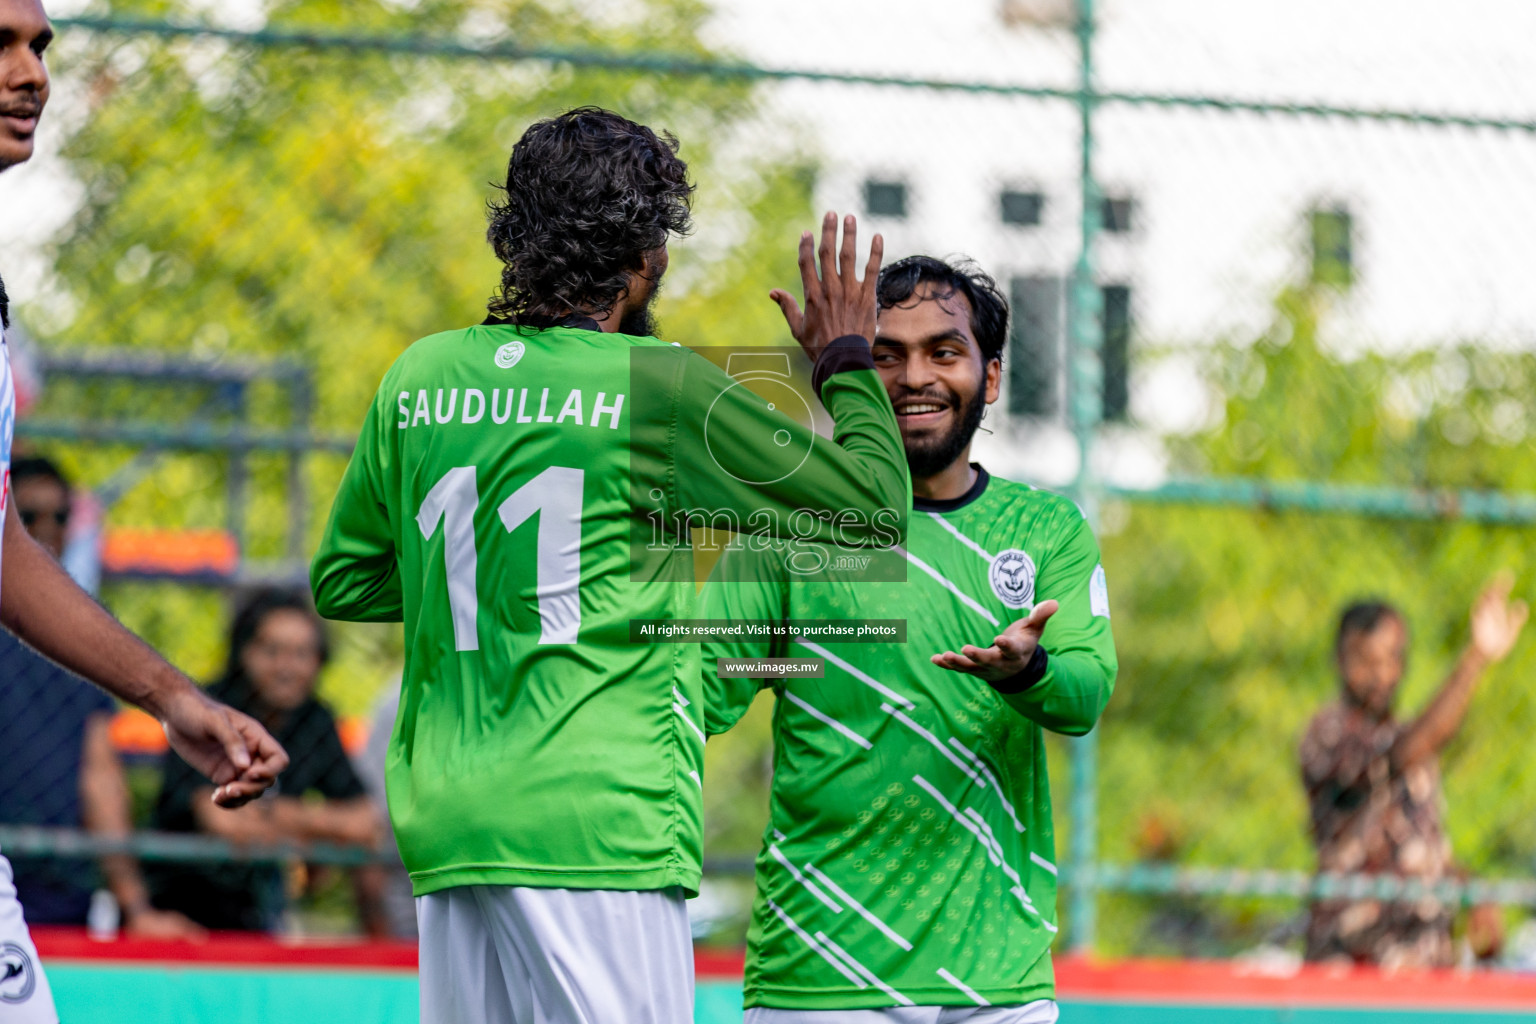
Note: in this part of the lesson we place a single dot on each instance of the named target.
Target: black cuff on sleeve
(1032, 674)
(850, 352)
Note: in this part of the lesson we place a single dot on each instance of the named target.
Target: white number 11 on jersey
(556, 494)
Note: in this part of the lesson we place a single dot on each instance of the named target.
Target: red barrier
(1228, 983)
(1235, 983)
(226, 948)
(244, 948)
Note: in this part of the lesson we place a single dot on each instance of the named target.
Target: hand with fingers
(837, 303)
(231, 749)
(1010, 652)
(1496, 620)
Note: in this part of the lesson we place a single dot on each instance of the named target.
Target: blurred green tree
(1225, 617)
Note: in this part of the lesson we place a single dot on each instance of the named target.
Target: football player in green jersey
(521, 491)
(908, 871)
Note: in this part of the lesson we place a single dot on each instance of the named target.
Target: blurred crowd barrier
(1272, 327)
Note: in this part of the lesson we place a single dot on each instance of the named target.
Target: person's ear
(994, 379)
(640, 281)
(655, 263)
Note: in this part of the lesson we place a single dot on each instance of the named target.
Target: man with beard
(44, 607)
(1373, 787)
(908, 871)
(520, 492)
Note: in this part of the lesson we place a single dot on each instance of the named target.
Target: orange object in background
(354, 734)
(136, 732)
(177, 552)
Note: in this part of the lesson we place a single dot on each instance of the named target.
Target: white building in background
(1209, 214)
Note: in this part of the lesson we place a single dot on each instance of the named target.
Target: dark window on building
(1117, 351)
(1333, 248)
(1034, 350)
(885, 198)
(1022, 208)
(1116, 213)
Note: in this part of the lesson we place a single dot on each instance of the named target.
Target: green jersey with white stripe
(909, 857)
(518, 496)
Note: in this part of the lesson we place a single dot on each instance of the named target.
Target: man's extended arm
(355, 575)
(47, 610)
(759, 595)
(353, 821)
(1496, 625)
(1060, 678)
(854, 491)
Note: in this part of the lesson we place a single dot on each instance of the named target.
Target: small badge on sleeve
(1013, 578)
(1098, 593)
(18, 975)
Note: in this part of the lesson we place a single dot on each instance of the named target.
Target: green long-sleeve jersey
(516, 497)
(909, 857)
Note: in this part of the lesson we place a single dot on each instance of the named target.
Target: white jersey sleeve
(7, 428)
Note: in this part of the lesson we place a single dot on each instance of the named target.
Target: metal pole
(302, 396)
(239, 471)
(1085, 399)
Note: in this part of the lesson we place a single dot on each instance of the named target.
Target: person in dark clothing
(277, 648)
(45, 716)
(60, 768)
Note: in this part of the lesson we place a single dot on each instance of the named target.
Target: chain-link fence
(1270, 327)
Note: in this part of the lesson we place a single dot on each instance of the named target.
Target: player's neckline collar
(955, 504)
(540, 323)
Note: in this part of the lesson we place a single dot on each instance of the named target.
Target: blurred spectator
(277, 648)
(59, 767)
(390, 883)
(1374, 786)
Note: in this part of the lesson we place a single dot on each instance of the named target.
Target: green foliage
(1224, 618)
(329, 208)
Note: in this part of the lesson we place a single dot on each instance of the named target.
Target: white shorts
(24, 994)
(1041, 1011)
(500, 954)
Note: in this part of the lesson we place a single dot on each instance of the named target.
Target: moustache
(33, 108)
(939, 397)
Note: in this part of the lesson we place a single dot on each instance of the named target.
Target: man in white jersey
(44, 607)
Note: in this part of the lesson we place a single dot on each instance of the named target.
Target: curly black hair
(588, 194)
(989, 309)
(5, 306)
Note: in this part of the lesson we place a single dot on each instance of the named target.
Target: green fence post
(1084, 340)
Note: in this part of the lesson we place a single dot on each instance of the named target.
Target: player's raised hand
(231, 749)
(836, 301)
(1010, 651)
(1496, 620)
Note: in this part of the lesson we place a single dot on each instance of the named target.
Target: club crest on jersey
(1013, 578)
(508, 355)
